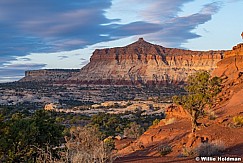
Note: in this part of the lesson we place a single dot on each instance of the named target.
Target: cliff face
(138, 63)
(145, 63)
(232, 65)
(48, 75)
(230, 69)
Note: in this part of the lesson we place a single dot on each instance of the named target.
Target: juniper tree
(201, 92)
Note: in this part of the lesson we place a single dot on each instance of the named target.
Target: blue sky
(63, 34)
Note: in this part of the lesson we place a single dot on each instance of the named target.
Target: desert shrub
(48, 156)
(188, 152)
(156, 122)
(134, 131)
(22, 138)
(238, 121)
(210, 149)
(109, 143)
(85, 146)
(106, 123)
(164, 149)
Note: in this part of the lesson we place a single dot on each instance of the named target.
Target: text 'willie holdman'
(220, 159)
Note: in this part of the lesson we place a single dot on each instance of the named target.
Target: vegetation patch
(156, 122)
(133, 131)
(202, 90)
(214, 148)
(26, 138)
(164, 149)
(188, 152)
(238, 121)
(85, 145)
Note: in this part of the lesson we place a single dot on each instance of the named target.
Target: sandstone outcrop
(230, 69)
(145, 63)
(232, 64)
(48, 75)
(176, 111)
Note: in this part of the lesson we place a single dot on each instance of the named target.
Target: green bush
(23, 137)
(156, 121)
(109, 143)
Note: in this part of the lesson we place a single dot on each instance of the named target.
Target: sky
(50, 34)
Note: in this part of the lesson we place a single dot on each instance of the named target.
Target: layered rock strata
(48, 75)
(232, 65)
(145, 63)
(230, 69)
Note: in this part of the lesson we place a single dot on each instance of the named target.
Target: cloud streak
(58, 25)
(178, 30)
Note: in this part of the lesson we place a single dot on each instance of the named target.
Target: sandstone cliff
(48, 75)
(145, 63)
(232, 64)
(230, 69)
(138, 63)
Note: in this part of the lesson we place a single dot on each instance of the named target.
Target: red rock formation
(144, 63)
(232, 64)
(138, 63)
(230, 69)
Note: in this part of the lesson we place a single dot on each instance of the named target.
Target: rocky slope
(221, 128)
(230, 69)
(145, 63)
(232, 64)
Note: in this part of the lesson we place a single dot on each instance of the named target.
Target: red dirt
(178, 136)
